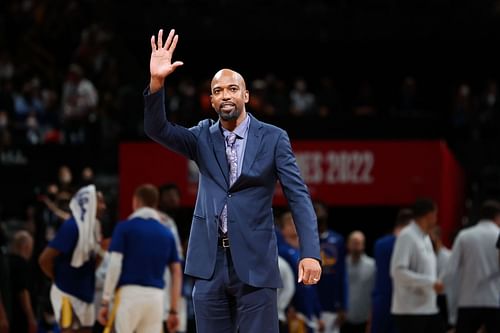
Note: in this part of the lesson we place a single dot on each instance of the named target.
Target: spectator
(65, 179)
(170, 204)
(381, 319)
(413, 270)
(364, 101)
(23, 314)
(140, 251)
(333, 286)
(305, 311)
(328, 98)
(361, 273)
(408, 98)
(170, 198)
(87, 176)
(302, 101)
(463, 109)
(446, 298)
(69, 261)
(475, 262)
(278, 96)
(29, 101)
(79, 101)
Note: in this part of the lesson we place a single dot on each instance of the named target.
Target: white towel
(145, 213)
(84, 207)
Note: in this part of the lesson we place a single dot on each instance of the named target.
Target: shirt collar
(241, 130)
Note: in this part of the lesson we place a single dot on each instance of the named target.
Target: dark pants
(442, 304)
(348, 327)
(224, 304)
(382, 320)
(283, 326)
(98, 328)
(471, 319)
(419, 323)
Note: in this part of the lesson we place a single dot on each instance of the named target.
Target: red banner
(354, 173)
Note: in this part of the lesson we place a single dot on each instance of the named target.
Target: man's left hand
(309, 271)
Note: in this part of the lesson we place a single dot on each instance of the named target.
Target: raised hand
(161, 64)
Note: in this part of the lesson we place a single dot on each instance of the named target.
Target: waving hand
(161, 64)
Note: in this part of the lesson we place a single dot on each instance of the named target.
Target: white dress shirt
(414, 272)
(474, 262)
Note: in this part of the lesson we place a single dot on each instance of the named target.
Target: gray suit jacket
(268, 158)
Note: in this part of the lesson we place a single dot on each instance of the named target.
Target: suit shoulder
(205, 123)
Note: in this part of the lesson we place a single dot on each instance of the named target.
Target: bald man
(23, 316)
(361, 273)
(232, 249)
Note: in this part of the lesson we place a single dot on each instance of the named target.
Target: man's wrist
(155, 84)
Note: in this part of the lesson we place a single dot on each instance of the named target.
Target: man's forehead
(227, 77)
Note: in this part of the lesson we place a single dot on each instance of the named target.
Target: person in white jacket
(414, 274)
(474, 262)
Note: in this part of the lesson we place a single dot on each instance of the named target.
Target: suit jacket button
(229, 195)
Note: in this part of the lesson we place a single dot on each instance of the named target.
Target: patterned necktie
(232, 159)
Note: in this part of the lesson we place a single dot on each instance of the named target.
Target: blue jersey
(382, 291)
(333, 286)
(78, 282)
(305, 300)
(147, 247)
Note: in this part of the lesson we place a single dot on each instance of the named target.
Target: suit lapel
(253, 144)
(219, 146)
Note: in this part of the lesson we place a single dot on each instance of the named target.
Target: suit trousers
(224, 304)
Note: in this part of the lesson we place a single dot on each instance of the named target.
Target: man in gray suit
(232, 249)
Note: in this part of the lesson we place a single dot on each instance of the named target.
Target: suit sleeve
(298, 198)
(158, 128)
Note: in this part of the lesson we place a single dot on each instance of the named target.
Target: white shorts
(329, 319)
(84, 312)
(139, 309)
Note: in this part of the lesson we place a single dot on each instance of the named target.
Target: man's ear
(246, 96)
